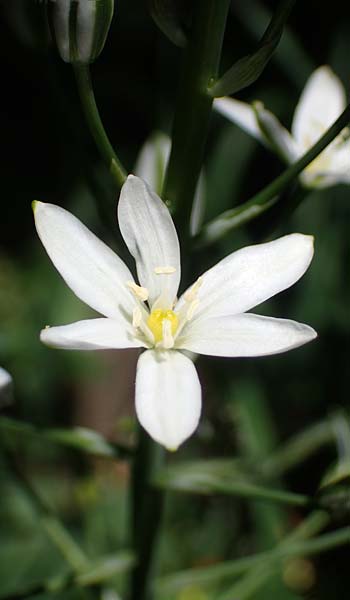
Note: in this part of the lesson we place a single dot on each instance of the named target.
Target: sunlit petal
(91, 269)
(92, 334)
(244, 335)
(149, 232)
(251, 275)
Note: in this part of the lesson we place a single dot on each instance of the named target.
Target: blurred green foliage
(48, 154)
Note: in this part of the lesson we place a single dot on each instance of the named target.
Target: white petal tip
(35, 205)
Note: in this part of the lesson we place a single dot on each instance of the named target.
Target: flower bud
(80, 27)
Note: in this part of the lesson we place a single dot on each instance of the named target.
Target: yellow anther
(192, 309)
(155, 324)
(191, 294)
(136, 317)
(164, 270)
(139, 292)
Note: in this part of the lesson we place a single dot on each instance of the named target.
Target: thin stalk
(298, 449)
(193, 109)
(87, 97)
(147, 507)
(255, 492)
(270, 195)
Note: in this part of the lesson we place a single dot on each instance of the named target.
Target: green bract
(80, 27)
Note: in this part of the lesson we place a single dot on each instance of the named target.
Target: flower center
(161, 321)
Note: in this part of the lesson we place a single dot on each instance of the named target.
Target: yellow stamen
(139, 292)
(136, 317)
(155, 324)
(191, 294)
(164, 270)
(192, 309)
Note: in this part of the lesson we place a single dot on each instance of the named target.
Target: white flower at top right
(322, 101)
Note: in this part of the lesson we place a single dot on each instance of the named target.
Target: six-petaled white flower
(209, 318)
(321, 103)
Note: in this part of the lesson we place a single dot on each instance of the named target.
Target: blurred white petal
(277, 136)
(152, 160)
(320, 104)
(240, 113)
(168, 396)
(5, 388)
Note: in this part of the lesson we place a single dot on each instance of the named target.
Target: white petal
(152, 160)
(339, 171)
(251, 275)
(240, 113)
(277, 136)
(244, 335)
(5, 378)
(321, 103)
(92, 334)
(5, 388)
(198, 206)
(91, 269)
(168, 396)
(149, 232)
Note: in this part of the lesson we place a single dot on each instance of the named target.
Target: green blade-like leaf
(221, 476)
(79, 438)
(247, 70)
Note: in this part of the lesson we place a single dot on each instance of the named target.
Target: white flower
(321, 103)
(209, 318)
(151, 166)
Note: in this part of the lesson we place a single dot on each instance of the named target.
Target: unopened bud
(80, 27)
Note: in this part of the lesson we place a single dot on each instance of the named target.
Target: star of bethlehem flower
(321, 103)
(209, 317)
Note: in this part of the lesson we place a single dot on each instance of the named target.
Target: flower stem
(270, 195)
(193, 110)
(87, 97)
(147, 506)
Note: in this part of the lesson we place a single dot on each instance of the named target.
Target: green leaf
(105, 568)
(169, 16)
(220, 476)
(82, 439)
(79, 438)
(247, 70)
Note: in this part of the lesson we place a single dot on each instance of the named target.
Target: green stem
(87, 97)
(147, 506)
(270, 195)
(193, 110)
